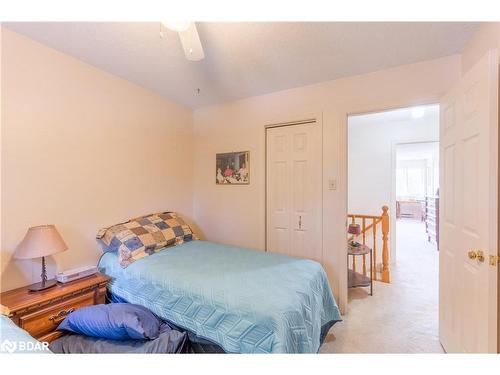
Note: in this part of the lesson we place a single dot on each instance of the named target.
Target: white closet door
(294, 190)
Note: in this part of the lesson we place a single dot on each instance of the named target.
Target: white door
(468, 211)
(293, 193)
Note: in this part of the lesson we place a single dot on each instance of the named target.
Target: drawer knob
(60, 315)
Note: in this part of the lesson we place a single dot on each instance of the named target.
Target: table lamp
(41, 241)
(355, 230)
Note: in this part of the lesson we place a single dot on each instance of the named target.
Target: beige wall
(235, 214)
(1, 151)
(81, 155)
(82, 149)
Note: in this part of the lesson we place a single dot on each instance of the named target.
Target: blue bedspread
(16, 340)
(246, 301)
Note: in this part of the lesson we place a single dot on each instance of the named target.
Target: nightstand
(356, 279)
(40, 313)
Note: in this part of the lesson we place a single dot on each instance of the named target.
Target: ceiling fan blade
(191, 44)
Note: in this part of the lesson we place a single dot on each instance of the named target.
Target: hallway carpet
(401, 317)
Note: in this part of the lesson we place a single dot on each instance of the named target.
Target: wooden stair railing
(380, 270)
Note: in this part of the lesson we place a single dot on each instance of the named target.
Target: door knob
(479, 255)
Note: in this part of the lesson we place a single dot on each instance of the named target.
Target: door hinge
(494, 260)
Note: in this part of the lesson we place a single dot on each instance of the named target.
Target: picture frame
(232, 168)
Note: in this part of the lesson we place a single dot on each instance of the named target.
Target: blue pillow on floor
(116, 321)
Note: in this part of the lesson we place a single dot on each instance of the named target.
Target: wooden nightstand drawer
(46, 320)
(49, 337)
(40, 313)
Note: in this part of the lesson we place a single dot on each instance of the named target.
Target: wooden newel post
(385, 245)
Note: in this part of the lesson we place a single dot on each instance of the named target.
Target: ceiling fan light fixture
(178, 26)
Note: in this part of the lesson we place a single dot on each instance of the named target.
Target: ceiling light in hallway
(417, 112)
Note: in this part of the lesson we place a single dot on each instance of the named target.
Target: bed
(16, 340)
(241, 300)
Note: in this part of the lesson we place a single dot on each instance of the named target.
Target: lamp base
(42, 286)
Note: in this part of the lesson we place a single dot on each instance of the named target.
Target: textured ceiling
(247, 59)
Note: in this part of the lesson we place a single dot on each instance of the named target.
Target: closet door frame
(314, 120)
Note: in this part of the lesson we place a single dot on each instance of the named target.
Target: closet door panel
(278, 191)
(305, 187)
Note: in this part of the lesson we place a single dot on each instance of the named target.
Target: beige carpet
(401, 317)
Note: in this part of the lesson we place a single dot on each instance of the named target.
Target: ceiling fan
(189, 37)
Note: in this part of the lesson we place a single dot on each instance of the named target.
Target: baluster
(385, 246)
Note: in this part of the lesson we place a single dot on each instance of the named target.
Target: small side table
(356, 279)
(40, 313)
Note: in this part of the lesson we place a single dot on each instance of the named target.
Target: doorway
(416, 179)
(393, 161)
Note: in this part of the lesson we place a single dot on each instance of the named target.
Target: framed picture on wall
(232, 168)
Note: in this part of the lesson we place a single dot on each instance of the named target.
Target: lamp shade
(40, 241)
(354, 229)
